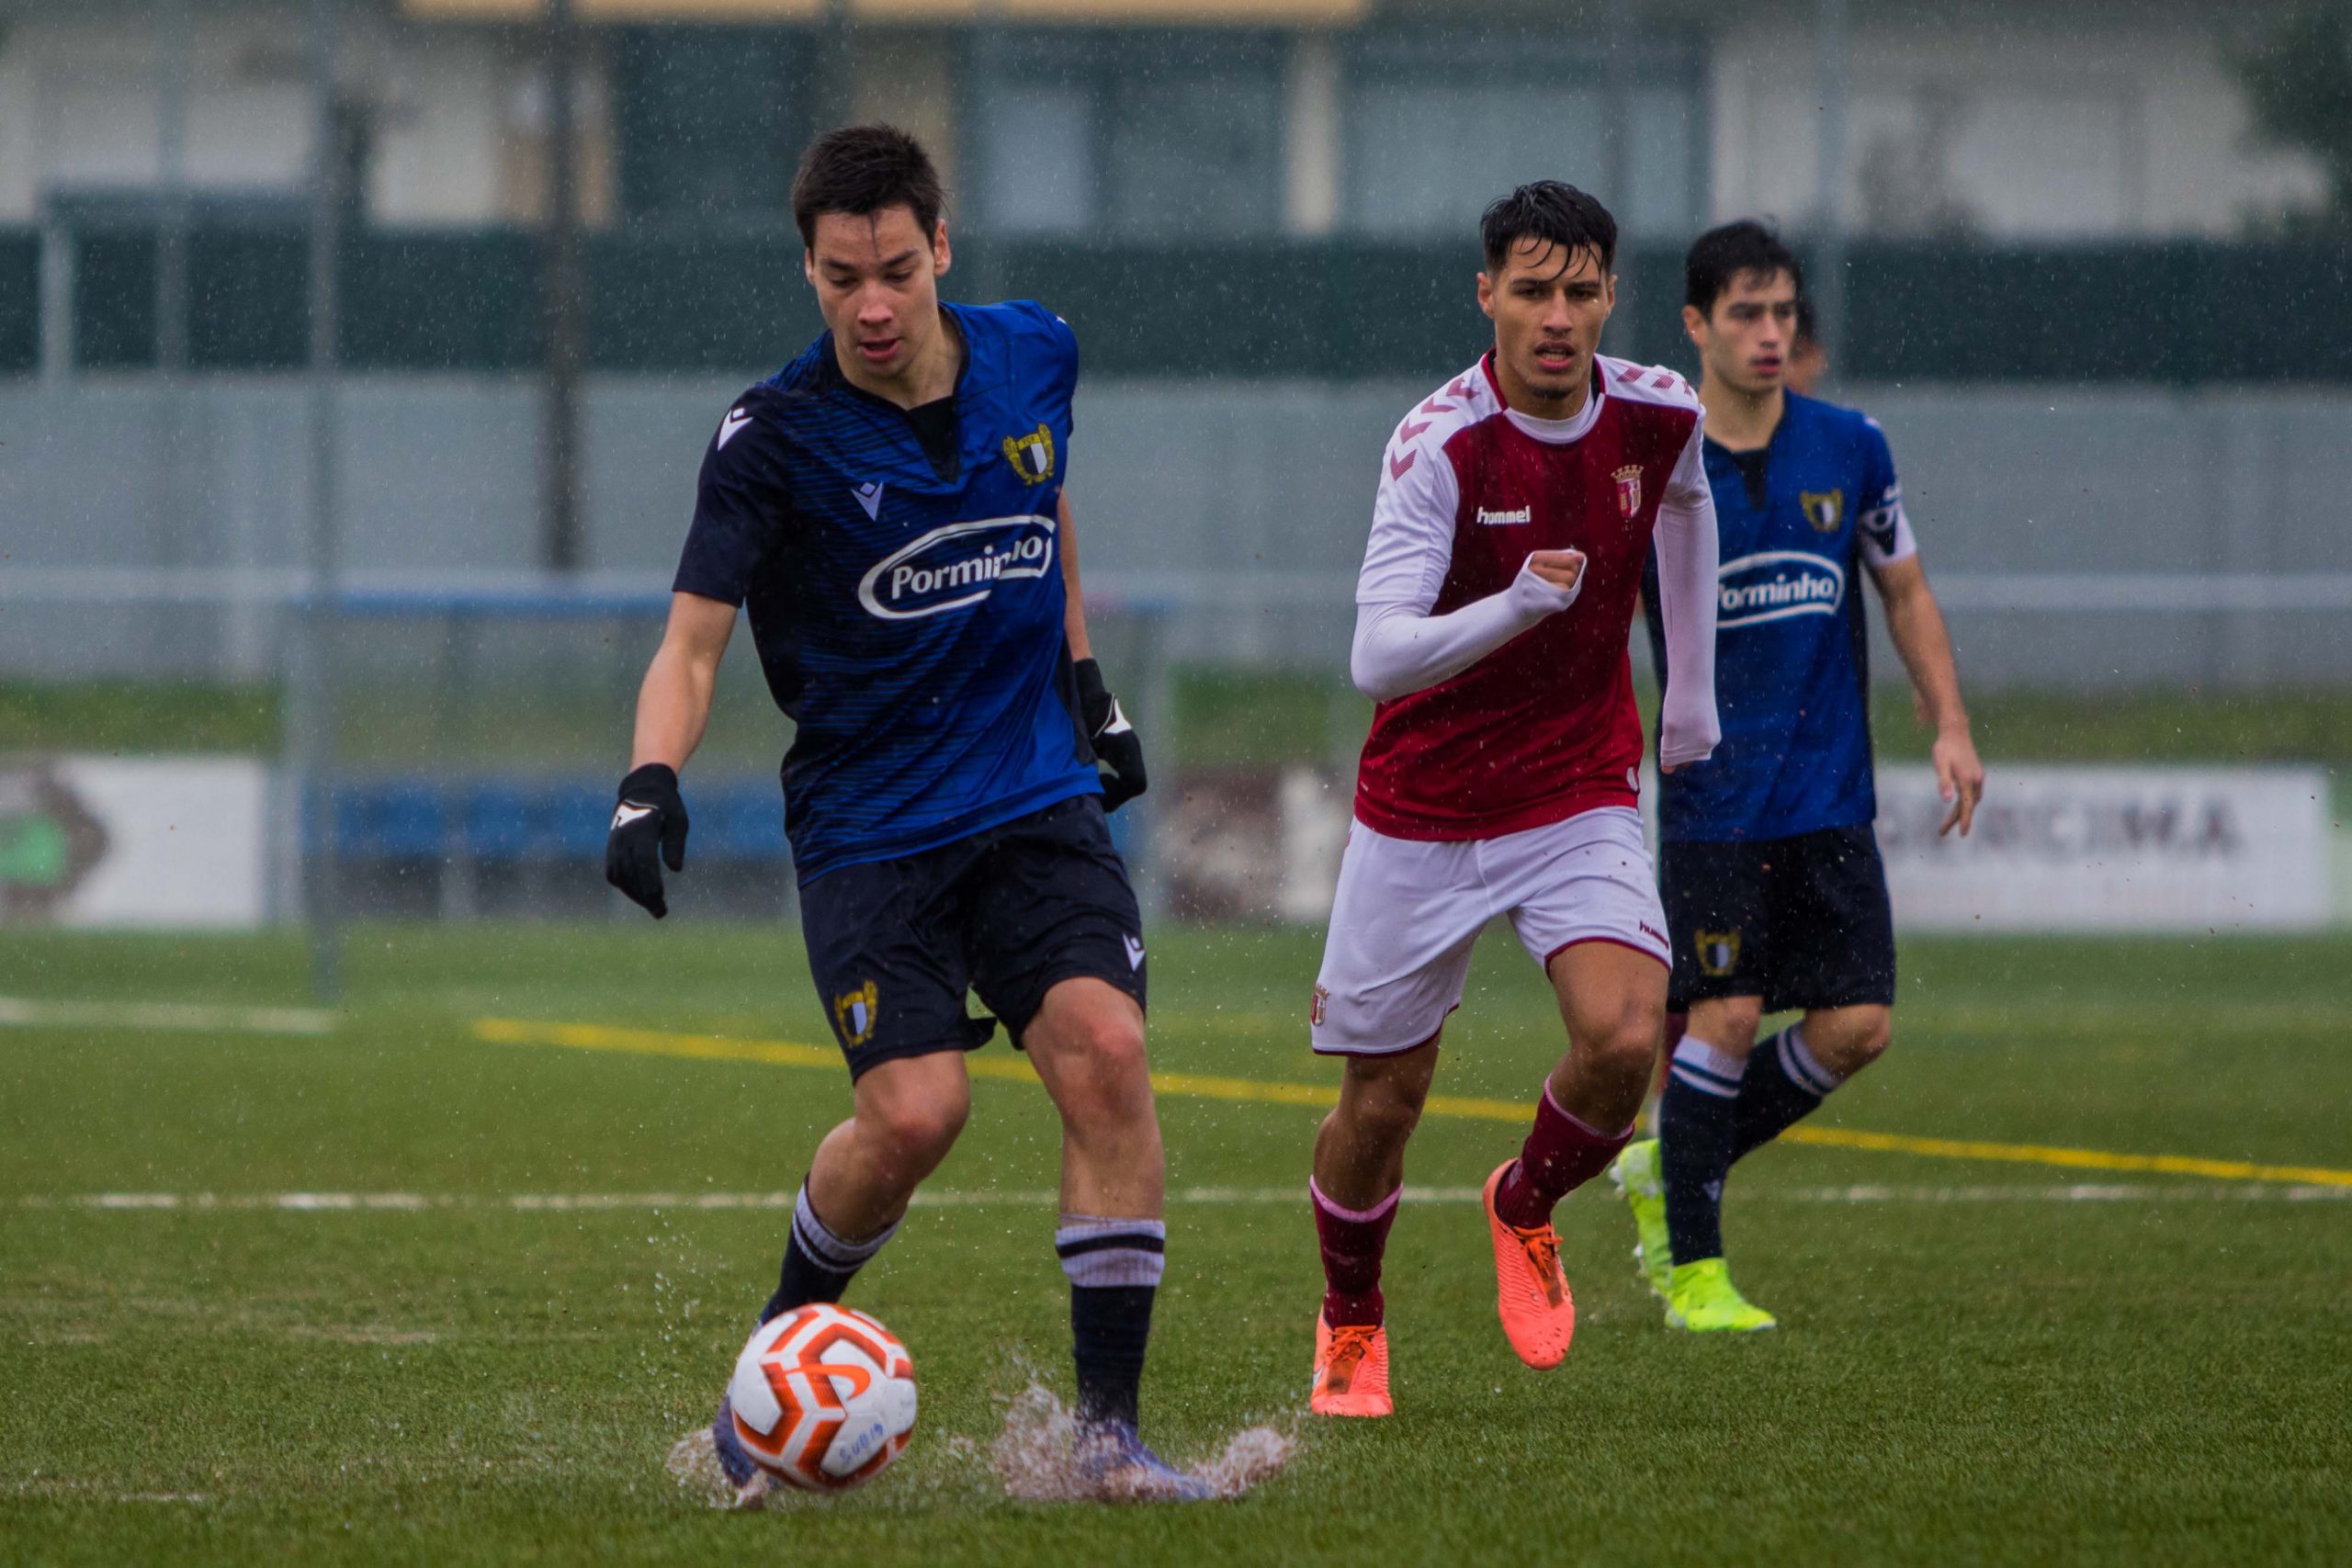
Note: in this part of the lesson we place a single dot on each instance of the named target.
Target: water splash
(694, 1465)
(1036, 1457)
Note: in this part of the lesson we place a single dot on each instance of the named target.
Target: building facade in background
(1151, 120)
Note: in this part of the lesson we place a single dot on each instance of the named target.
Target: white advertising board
(156, 841)
(2061, 849)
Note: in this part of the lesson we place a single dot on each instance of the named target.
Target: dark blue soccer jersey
(907, 604)
(1796, 524)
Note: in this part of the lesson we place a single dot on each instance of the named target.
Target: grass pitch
(1974, 1363)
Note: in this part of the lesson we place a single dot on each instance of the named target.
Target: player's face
(1548, 306)
(1746, 341)
(876, 276)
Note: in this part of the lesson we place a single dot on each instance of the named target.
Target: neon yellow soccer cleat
(1700, 1297)
(1636, 1174)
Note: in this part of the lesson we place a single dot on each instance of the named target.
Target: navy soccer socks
(817, 1264)
(1715, 1111)
(1114, 1268)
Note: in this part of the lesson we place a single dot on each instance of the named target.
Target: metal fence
(2082, 538)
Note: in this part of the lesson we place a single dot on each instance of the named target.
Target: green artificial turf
(1969, 1368)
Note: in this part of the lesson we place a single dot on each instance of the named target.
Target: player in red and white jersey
(1517, 505)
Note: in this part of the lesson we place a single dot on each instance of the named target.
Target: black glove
(1116, 745)
(650, 816)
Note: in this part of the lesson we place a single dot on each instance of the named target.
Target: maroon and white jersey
(1528, 718)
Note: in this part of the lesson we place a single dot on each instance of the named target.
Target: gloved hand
(651, 819)
(1116, 745)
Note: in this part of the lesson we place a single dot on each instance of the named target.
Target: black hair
(1720, 256)
(860, 170)
(1547, 210)
(1808, 324)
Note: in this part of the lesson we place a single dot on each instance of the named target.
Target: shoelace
(1351, 1343)
(1543, 1257)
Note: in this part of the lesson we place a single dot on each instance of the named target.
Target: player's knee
(916, 1132)
(1728, 1026)
(1864, 1040)
(1104, 1073)
(1625, 1043)
(1381, 1111)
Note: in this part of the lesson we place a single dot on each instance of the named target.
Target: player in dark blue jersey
(888, 511)
(1768, 864)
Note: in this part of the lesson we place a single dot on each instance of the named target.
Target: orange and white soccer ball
(823, 1398)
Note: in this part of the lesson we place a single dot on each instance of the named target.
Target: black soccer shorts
(1009, 912)
(1802, 922)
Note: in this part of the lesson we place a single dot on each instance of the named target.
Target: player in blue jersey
(1775, 894)
(888, 511)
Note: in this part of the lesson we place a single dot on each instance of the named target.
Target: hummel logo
(628, 812)
(1516, 514)
(1135, 951)
(869, 496)
(736, 419)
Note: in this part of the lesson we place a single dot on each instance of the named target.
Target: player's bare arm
(1074, 616)
(648, 827)
(1915, 623)
(674, 701)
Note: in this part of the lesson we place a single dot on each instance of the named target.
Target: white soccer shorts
(1408, 911)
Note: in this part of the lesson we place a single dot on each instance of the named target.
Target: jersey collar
(1551, 431)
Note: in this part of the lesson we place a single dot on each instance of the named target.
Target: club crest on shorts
(1824, 509)
(1629, 490)
(854, 1013)
(1032, 455)
(1718, 952)
(1316, 1008)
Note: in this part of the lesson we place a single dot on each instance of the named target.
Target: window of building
(707, 121)
(1436, 125)
(1138, 135)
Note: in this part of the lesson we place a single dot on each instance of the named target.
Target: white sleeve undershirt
(1688, 728)
(1400, 646)
(1400, 649)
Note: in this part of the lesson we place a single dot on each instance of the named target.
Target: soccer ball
(823, 1398)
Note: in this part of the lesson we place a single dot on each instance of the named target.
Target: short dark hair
(1719, 256)
(1549, 210)
(1808, 324)
(860, 170)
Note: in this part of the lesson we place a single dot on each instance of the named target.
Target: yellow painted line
(2076, 1159)
(1201, 1086)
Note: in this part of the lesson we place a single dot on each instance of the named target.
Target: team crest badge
(1718, 952)
(1629, 490)
(1824, 509)
(1032, 455)
(1315, 1009)
(854, 1015)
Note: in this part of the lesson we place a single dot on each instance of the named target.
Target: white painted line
(573, 1203)
(185, 1017)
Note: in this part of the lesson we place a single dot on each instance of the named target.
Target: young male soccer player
(889, 509)
(1515, 509)
(1773, 886)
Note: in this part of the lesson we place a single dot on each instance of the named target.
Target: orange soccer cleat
(1351, 1371)
(1531, 1293)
